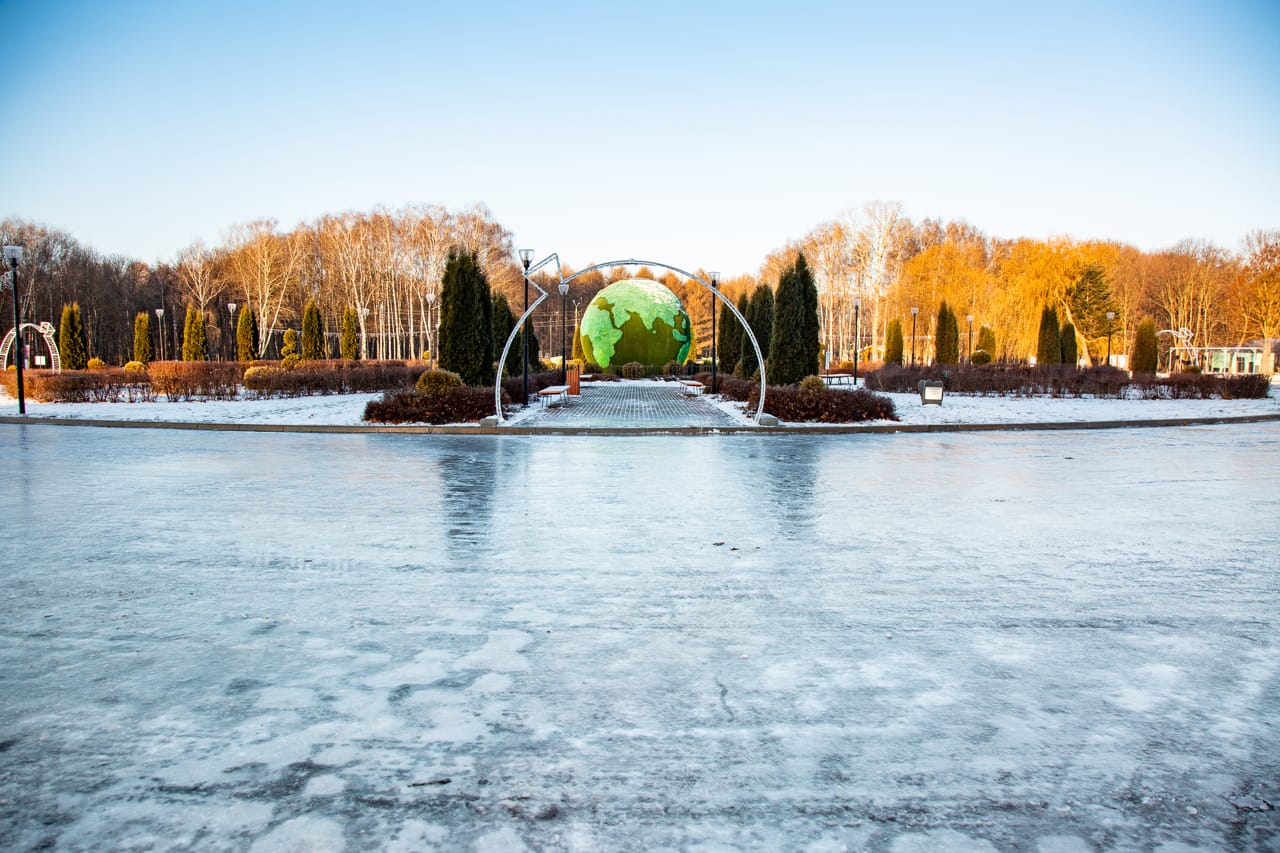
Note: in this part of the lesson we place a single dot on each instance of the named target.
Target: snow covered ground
(1046, 641)
(347, 410)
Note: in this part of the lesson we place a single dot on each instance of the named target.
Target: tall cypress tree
(893, 342)
(1146, 350)
(194, 345)
(578, 354)
(313, 348)
(812, 329)
(466, 320)
(729, 334)
(987, 341)
(947, 341)
(793, 344)
(349, 346)
(142, 351)
(503, 322)
(1049, 345)
(760, 318)
(1070, 351)
(73, 346)
(247, 335)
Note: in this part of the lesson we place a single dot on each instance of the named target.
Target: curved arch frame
(46, 331)
(715, 291)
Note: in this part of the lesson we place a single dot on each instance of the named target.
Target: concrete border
(807, 429)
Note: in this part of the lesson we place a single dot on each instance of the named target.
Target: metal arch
(714, 291)
(515, 330)
(46, 331)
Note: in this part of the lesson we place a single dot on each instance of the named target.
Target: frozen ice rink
(1055, 641)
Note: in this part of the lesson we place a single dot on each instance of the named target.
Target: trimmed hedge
(513, 387)
(448, 406)
(731, 387)
(192, 380)
(331, 376)
(106, 385)
(824, 405)
(1008, 380)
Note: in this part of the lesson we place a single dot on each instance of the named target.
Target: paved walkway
(631, 404)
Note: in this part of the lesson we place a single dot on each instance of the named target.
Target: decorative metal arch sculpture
(46, 331)
(497, 383)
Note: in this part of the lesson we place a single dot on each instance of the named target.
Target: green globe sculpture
(635, 320)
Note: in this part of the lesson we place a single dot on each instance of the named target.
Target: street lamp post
(13, 254)
(434, 343)
(160, 323)
(231, 346)
(970, 319)
(1111, 315)
(564, 304)
(857, 337)
(715, 284)
(914, 312)
(526, 256)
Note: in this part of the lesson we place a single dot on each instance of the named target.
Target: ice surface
(1014, 641)
(348, 409)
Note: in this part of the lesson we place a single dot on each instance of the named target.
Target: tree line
(380, 272)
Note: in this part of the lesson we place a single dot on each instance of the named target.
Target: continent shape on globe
(635, 320)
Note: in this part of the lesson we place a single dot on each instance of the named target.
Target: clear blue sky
(700, 134)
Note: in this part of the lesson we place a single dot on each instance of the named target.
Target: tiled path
(631, 404)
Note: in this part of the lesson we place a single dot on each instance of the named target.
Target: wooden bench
(837, 378)
(554, 395)
(691, 387)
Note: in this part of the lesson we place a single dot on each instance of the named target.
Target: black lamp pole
(857, 337)
(970, 319)
(526, 255)
(1111, 315)
(715, 284)
(564, 304)
(914, 312)
(14, 254)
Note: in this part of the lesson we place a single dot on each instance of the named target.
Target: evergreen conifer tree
(947, 341)
(893, 342)
(812, 326)
(987, 341)
(194, 345)
(1049, 345)
(760, 318)
(578, 354)
(729, 334)
(313, 344)
(503, 322)
(247, 335)
(1070, 350)
(349, 346)
(289, 345)
(72, 342)
(1146, 350)
(1089, 299)
(466, 320)
(142, 337)
(793, 341)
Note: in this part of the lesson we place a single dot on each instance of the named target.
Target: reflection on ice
(997, 641)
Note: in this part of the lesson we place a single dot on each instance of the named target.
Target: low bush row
(811, 401)
(823, 405)
(213, 380)
(454, 405)
(195, 380)
(105, 385)
(513, 386)
(1007, 380)
(310, 378)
